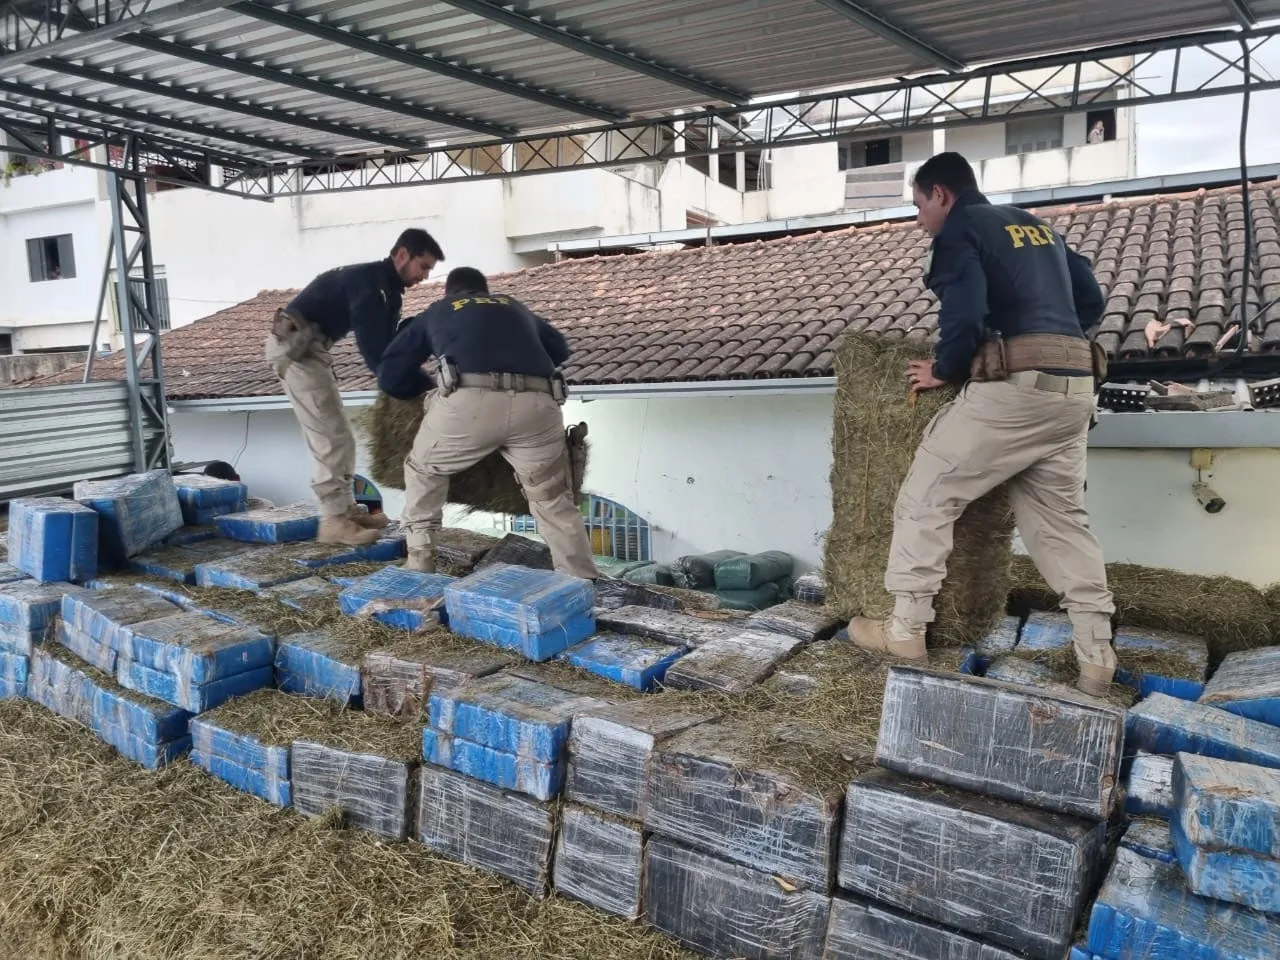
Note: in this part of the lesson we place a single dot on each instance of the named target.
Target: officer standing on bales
(497, 389)
(1015, 306)
(364, 299)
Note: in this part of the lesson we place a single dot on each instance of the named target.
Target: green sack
(754, 570)
(618, 569)
(765, 595)
(651, 574)
(699, 570)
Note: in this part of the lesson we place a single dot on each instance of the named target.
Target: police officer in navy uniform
(1016, 305)
(363, 299)
(498, 389)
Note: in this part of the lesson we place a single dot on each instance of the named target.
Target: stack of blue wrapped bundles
(135, 513)
(306, 595)
(297, 521)
(204, 499)
(93, 623)
(539, 613)
(194, 661)
(59, 681)
(180, 562)
(27, 612)
(53, 540)
(631, 661)
(404, 599)
(251, 570)
(234, 745)
(14, 670)
(317, 664)
(506, 730)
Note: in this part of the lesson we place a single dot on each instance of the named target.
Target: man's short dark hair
(949, 170)
(463, 280)
(417, 242)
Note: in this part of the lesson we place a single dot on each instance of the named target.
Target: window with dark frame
(51, 258)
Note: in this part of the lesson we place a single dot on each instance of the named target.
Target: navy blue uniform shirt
(480, 333)
(1004, 269)
(364, 298)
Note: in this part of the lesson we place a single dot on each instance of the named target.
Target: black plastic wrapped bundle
(374, 793)
(668, 626)
(733, 664)
(600, 861)
(868, 931)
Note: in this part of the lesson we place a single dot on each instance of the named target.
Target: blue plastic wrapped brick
(1045, 631)
(1228, 806)
(978, 656)
(1247, 683)
(11, 574)
(304, 595)
(193, 697)
(317, 664)
(1228, 875)
(86, 648)
(29, 605)
(511, 714)
(386, 549)
(52, 539)
(1148, 786)
(1150, 838)
(196, 647)
(242, 760)
(1193, 650)
(149, 720)
(14, 670)
(180, 562)
(20, 641)
(150, 754)
(102, 617)
(297, 521)
(185, 536)
(632, 661)
(135, 513)
(1167, 725)
(537, 612)
(203, 499)
(542, 781)
(404, 599)
(59, 684)
(252, 570)
(1146, 912)
(248, 780)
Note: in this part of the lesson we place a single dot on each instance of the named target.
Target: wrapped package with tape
(185, 536)
(179, 563)
(1145, 910)
(600, 861)
(1162, 661)
(463, 549)
(388, 548)
(723, 909)
(810, 588)
(665, 626)
(14, 670)
(487, 828)
(1054, 753)
(287, 524)
(518, 551)
(93, 623)
(318, 664)
(611, 594)
(508, 771)
(631, 661)
(709, 788)
(135, 513)
(1011, 875)
(796, 619)
(1148, 786)
(860, 930)
(254, 569)
(398, 681)
(978, 656)
(733, 664)
(1151, 838)
(404, 599)
(27, 606)
(1044, 630)
(53, 539)
(91, 651)
(540, 613)
(203, 499)
(611, 749)
(1167, 725)
(58, 682)
(308, 596)
(1247, 683)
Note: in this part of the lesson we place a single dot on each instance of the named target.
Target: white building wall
(753, 473)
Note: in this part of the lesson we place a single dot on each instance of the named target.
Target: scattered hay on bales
(1229, 614)
(1065, 671)
(99, 858)
(875, 434)
(490, 485)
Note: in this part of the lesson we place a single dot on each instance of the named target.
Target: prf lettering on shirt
(1036, 235)
(463, 301)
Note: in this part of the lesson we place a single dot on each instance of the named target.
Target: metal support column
(131, 269)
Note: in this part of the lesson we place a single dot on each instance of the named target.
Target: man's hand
(920, 376)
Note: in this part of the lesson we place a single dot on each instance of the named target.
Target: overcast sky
(1196, 135)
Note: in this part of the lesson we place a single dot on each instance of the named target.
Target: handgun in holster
(297, 334)
(1099, 355)
(447, 377)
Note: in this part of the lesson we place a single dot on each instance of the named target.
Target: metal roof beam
(221, 61)
(599, 49)
(1243, 13)
(173, 92)
(270, 147)
(351, 38)
(122, 17)
(888, 30)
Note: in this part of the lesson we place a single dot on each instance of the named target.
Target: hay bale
(490, 485)
(1230, 614)
(874, 439)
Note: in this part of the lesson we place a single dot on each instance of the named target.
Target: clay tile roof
(777, 308)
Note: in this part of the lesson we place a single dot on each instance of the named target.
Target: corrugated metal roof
(284, 76)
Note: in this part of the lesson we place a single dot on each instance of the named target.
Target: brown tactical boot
(423, 561)
(343, 529)
(893, 635)
(367, 520)
(1097, 662)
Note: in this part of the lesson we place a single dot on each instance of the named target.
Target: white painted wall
(67, 300)
(806, 181)
(752, 473)
(578, 203)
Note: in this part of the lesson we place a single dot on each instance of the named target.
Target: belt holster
(447, 379)
(299, 336)
(989, 362)
(559, 389)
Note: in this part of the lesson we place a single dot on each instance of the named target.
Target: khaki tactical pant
(312, 390)
(991, 433)
(528, 429)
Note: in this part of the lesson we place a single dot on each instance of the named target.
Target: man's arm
(1084, 290)
(962, 314)
(553, 341)
(400, 373)
(370, 323)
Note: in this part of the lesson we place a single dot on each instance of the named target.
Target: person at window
(1015, 307)
(363, 299)
(1098, 133)
(495, 389)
